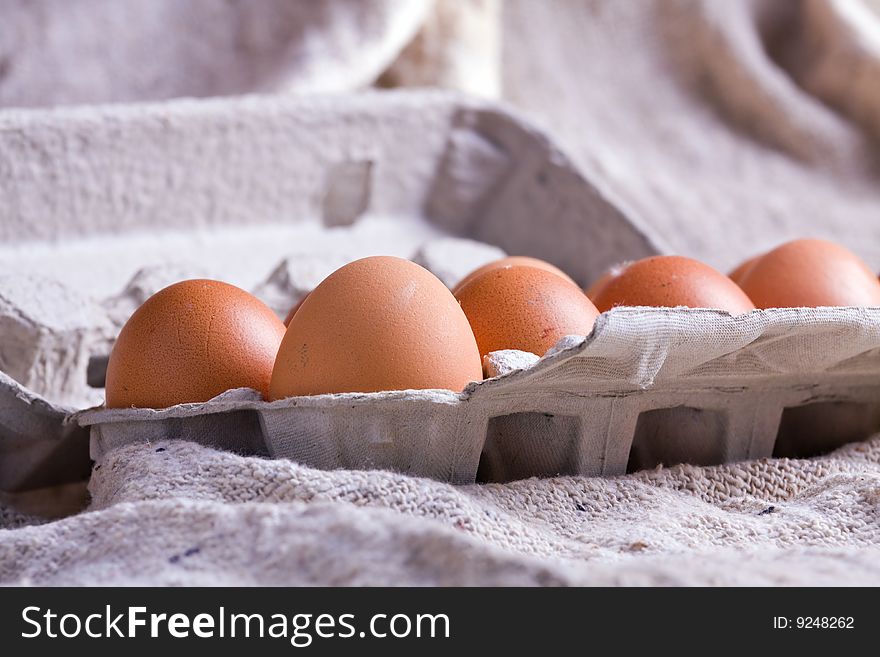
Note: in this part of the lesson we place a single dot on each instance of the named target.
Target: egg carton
(39, 446)
(647, 387)
(274, 189)
(105, 205)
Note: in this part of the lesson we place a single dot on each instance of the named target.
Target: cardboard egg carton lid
(84, 182)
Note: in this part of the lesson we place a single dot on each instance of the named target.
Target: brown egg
(379, 323)
(600, 283)
(293, 311)
(810, 273)
(524, 308)
(739, 273)
(672, 281)
(511, 261)
(191, 341)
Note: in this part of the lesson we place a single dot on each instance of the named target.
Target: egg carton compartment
(425, 433)
(39, 447)
(712, 388)
(667, 386)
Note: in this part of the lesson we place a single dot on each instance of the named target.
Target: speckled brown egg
(380, 323)
(670, 281)
(191, 341)
(512, 261)
(810, 273)
(524, 308)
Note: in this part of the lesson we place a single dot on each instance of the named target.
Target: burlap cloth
(177, 513)
(723, 126)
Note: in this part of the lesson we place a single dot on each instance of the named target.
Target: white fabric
(724, 127)
(104, 51)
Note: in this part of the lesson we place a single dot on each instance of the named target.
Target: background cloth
(722, 128)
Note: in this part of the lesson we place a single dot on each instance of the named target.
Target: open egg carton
(273, 194)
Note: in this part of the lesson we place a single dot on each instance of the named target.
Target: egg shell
(524, 308)
(739, 273)
(380, 323)
(811, 273)
(513, 261)
(613, 272)
(293, 311)
(190, 342)
(671, 281)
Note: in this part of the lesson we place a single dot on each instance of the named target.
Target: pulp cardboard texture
(421, 175)
(38, 448)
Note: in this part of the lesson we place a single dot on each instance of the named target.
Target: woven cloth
(103, 51)
(724, 128)
(177, 513)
